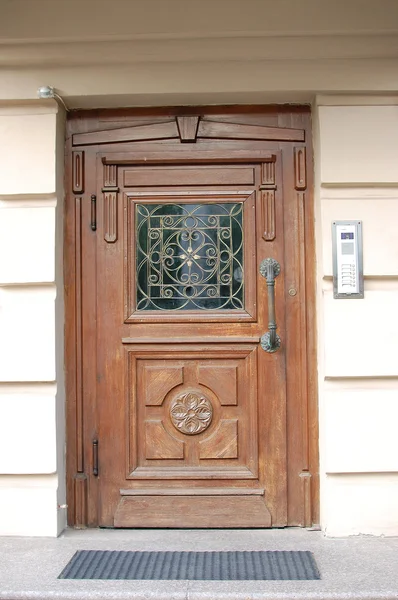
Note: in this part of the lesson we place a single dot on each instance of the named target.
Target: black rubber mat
(210, 566)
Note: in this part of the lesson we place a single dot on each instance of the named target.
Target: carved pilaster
(110, 217)
(268, 209)
(78, 172)
(268, 175)
(267, 191)
(110, 191)
(300, 184)
(79, 477)
(110, 176)
(300, 173)
(78, 335)
(307, 510)
(80, 483)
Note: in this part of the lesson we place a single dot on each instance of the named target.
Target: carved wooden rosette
(110, 191)
(191, 413)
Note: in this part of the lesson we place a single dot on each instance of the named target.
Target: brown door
(196, 418)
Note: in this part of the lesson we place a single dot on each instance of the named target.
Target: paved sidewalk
(357, 567)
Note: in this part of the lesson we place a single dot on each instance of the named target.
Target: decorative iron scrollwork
(189, 256)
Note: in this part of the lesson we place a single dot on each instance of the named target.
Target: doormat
(209, 566)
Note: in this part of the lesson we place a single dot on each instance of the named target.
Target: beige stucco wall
(341, 57)
(357, 178)
(32, 473)
(159, 52)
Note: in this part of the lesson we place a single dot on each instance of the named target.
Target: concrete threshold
(362, 567)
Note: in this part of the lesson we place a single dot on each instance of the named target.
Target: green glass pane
(189, 256)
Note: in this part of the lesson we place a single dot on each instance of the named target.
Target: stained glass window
(189, 256)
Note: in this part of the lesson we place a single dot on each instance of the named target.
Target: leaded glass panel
(190, 256)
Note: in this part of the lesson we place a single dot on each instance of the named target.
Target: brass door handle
(270, 269)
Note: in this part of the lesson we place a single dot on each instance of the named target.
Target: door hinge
(95, 458)
(93, 212)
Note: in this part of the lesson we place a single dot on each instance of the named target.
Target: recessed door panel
(200, 420)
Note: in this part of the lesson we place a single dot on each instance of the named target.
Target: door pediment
(189, 129)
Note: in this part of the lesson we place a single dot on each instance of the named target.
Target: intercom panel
(347, 259)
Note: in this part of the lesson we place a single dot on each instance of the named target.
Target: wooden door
(196, 419)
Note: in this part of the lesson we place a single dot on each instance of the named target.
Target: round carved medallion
(191, 412)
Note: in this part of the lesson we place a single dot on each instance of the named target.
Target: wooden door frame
(79, 241)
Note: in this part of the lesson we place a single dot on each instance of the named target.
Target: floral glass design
(191, 413)
(189, 256)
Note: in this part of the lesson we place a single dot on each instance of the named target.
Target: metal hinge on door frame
(95, 458)
(93, 212)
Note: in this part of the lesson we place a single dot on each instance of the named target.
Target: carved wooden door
(192, 423)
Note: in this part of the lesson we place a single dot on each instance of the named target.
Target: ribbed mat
(210, 566)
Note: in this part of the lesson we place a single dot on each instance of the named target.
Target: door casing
(80, 285)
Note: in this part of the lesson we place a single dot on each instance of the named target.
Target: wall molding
(185, 48)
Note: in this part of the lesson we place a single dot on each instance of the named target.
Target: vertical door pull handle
(93, 212)
(95, 458)
(270, 269)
